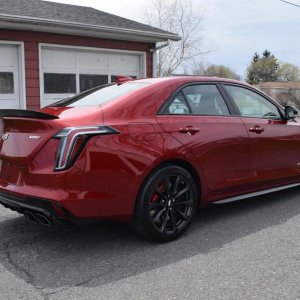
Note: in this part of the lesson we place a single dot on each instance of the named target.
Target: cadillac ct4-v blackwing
(148, 151)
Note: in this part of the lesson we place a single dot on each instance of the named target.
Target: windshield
(100, 95)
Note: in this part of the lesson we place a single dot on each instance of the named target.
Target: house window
(59, 83)
(88, 81)
(6, 83)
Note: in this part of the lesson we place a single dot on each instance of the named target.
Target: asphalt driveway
(242, 250)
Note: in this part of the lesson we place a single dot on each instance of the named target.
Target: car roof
(189, 79)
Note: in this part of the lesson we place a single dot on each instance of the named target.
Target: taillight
(72, 142)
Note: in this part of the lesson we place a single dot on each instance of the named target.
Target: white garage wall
(12, 87)
(76, 61)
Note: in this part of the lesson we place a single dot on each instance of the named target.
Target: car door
(198, 117)
(275, 142)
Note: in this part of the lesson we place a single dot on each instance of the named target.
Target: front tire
(166, 204)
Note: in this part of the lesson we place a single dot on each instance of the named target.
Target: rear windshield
(100, 95)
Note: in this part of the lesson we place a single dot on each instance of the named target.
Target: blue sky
(239, 28)
(234, 29)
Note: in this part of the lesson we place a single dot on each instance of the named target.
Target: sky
(233, 29)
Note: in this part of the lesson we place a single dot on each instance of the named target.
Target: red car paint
(229, 155)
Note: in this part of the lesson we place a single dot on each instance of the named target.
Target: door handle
(257, 129)
(190, 130)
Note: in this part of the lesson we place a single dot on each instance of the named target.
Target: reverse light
(72, 142)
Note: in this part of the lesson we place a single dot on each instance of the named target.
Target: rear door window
(198, 99)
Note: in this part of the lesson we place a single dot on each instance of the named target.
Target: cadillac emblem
(4, 136)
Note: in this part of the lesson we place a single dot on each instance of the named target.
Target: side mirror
(290, 112)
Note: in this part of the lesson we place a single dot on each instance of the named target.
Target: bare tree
(214, 70)
(289, 72)
(183, 18)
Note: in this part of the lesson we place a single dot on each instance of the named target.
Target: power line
(290, 3)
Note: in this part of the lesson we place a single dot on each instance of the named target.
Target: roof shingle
(71, 13)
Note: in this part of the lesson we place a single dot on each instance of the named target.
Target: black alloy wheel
(167, 203)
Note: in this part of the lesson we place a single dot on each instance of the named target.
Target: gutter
(153, 50)
(77, 28)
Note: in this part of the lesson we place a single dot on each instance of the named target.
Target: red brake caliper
(155, 197)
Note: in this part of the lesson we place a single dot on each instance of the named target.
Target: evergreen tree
(263, 69)
(255, 58)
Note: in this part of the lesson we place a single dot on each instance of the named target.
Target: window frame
(221, 90)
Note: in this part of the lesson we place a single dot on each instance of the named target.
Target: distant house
(50, 51)
(283, 92)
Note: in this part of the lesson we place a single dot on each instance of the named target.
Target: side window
(178, 105)
(205, 99)
(251, 104)
(198, 99)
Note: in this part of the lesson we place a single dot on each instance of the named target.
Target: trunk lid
(22, 138)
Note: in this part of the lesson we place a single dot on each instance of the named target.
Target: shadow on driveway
(51, 258)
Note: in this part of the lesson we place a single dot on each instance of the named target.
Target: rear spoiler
(22, 113)
(122, 79)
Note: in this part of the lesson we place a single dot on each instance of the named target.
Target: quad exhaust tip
(37, 218)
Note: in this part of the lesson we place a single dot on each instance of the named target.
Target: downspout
(154, 56)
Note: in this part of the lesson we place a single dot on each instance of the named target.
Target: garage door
(65, 72)
(9, 77)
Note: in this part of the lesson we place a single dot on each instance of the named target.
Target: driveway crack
(24, 274)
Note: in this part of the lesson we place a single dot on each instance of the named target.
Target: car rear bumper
(35, 209)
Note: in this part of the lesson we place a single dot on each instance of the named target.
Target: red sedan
(150, 151)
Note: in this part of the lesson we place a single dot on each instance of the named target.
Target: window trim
(228, 103)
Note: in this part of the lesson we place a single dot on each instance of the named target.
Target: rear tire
(166, 204)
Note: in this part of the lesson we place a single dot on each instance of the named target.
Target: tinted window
(198, 99)
(251, 104)
(55, 83)
(100, 95)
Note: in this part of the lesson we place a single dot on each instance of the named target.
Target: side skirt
(250, 195)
